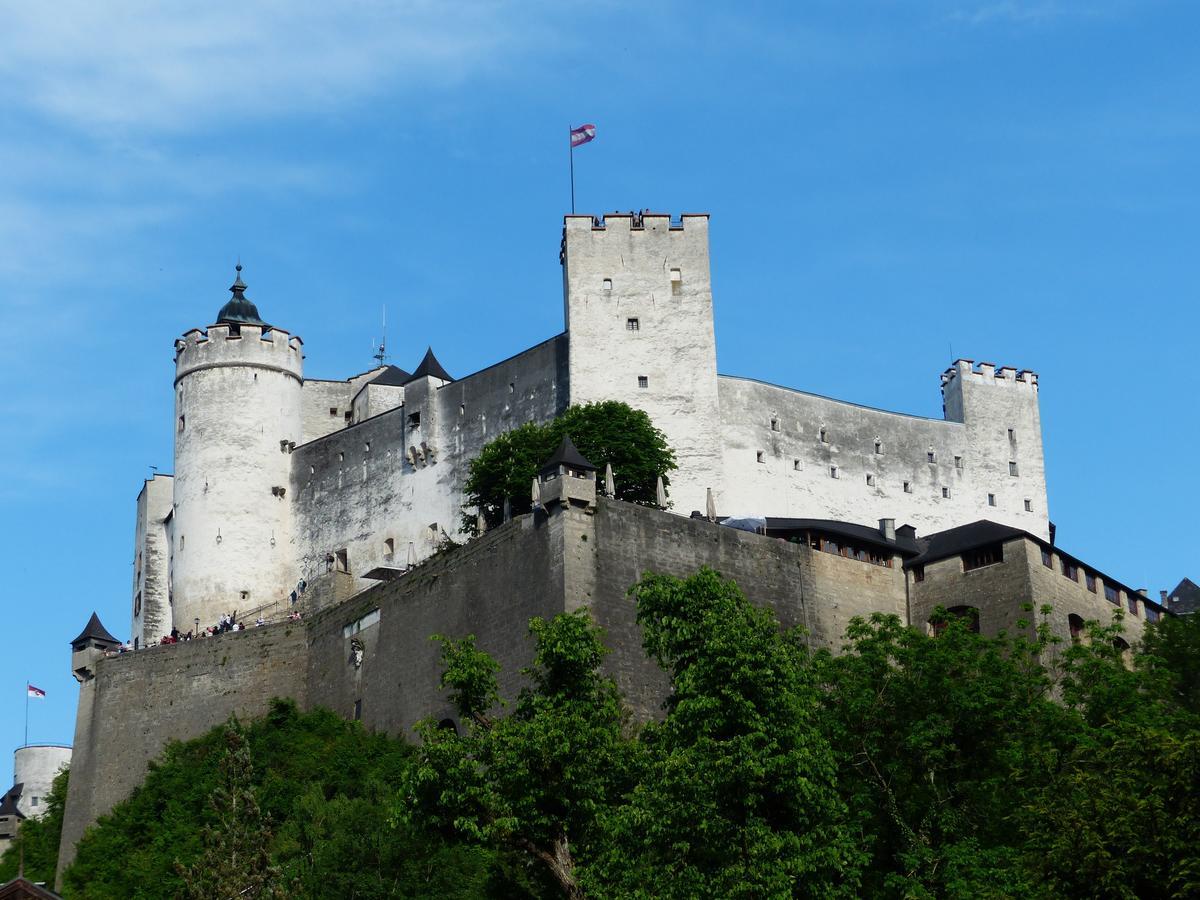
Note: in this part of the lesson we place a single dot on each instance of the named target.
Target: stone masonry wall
(137, 702)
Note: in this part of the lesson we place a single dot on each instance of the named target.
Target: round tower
(34, 768)
(237, 416)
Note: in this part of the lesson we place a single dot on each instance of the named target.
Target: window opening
(946, 493)
(1076, 626)
(607, 284)
(633, 324)
(1047, 559)
(676, 281)
(991, 499)
(908, 487)
(930, 456)
(983, 556)
(1090, 580)
(1012, 468)
(870, 480)
(1069, 569)
(643, 381)
(878, 446)
(1028, 506)
(833, 471)
(759, 456)
(1112, 595)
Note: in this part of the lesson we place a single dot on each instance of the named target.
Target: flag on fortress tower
(34, 691)
(582, 135)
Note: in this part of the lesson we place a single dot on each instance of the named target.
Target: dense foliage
(608, 432)
(37, 841)
(320, 785)
(903, 766)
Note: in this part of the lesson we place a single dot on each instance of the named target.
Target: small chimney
(887, 527)
(1145, 592)
(1162, 596)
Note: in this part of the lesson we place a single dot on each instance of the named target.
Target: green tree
(738, 797)
(1171, 650)
(605, 432)
(534, 781)
(235, 860)
(938, 740)
(1120, 816)
(37, 841)
(323, 783)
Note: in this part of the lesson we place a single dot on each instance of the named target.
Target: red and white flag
(34, 691)
(582, 134)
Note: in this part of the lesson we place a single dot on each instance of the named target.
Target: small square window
(930, 456)
(676, 281)
(991, 499)
(333, 410)
(958, 462)
(796, 465)
(908, 487)
(870, 480)
(1012, 468)
(1028, 506)
(918, 573)
(607, 284)
(833, 471)
(633, 325)
(760, 456)
(946, 493)
(414, 419)
(643, 381)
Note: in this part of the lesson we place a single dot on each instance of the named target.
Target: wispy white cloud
(167, 67)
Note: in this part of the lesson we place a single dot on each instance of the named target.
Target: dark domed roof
(239, 310)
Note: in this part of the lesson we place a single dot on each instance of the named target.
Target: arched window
(968, 614)
(448, 725)
(1075, 623)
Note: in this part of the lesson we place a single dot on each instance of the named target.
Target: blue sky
(1016, 180)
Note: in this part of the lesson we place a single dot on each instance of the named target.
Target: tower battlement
(986, 372)
(238, 345)
(636, 221)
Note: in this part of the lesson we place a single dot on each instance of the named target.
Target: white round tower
(237, 416)
(34, 768)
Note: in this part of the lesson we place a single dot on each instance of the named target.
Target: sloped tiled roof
(94, 631)
(392, 376)
(1185, 598)
(567, 455)
(429, 367)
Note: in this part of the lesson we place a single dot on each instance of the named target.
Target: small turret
(91, 645)
(567, 477)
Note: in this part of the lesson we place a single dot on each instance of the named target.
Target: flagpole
(571, 154)
(26, 714)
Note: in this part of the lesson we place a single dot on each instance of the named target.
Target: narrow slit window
(760, 456)
(946, 493)
(870, 480)
(878, 447)
(774, 424)
(1028, 506)
(991, 499)
(1012, 467)
(676, 281)
(796, 465)
(833, 471)
(930, 456)
(958, 462)
(908, 487)
(823, 435)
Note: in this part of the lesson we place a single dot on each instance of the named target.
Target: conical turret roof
(567, 455)
(94, 631)
(430, 367)
(240, 310)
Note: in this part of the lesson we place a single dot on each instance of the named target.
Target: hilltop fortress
(280, 479)
(334, 497)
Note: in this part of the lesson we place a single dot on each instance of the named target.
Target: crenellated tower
(237, 418)
(638, 307)
(999, 407)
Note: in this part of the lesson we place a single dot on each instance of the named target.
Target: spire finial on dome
(239, 310)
